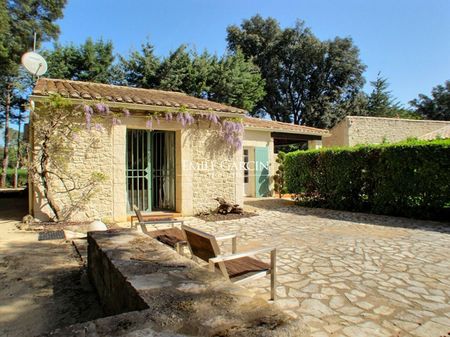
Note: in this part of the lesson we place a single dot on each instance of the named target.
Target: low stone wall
(175, 296)
(116, 293)
(354, 130)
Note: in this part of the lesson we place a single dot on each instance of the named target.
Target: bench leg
(273, 275)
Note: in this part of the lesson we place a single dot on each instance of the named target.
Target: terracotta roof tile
(251, 122)
(114, 93)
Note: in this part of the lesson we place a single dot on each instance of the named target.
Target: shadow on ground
(288, 206)
(43, 284)
(13, 205)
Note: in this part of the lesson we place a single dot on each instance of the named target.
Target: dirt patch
(43, 284)
(213, 217)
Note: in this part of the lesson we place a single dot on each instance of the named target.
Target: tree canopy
(19, 21)
(307, 81)
(230, 79)
(90, 61)
(437, 106)
(381, 103)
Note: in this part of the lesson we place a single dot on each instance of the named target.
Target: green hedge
(408, 179)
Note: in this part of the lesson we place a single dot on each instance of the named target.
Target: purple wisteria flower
(181, 119)
(98, 127)
(102, 108)
(126, 112)
(116, 121)
(214, 118)
(189, 119)
(232, 133)
(149, 123)
(169, 116)
(88, 112)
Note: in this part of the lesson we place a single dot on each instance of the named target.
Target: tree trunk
(16, 168)
(45, 178)
(6, 148)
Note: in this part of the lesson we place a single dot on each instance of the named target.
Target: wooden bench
(236, 267)
(172, 236)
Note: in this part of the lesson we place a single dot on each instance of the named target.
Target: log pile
(225, 207)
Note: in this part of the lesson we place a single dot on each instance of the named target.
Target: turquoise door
(262, 171)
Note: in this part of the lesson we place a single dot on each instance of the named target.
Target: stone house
(354, 130)
(167, 167)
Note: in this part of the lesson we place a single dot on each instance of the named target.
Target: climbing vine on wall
(231, 129)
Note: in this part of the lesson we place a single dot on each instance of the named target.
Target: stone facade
(214, 167)
(105, 152)
(92, 153)
(354, 130)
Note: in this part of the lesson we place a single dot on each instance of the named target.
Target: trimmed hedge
(407, 179)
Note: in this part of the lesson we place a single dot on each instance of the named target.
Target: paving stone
(379, 269)
(329, 291)
(312, 288)
(350, 310)
(384, 310)
(352, 298)
(352, 319)
(431, 329)
(337, 302)
(315, 308)
(332, 328)
(364, 305)
(361, 331)
(287, 303)
(407, 326)
(357, 293)
(340, 286)
(442, 320)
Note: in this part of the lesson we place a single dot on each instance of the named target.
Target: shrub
(409, 179)
(279, 183)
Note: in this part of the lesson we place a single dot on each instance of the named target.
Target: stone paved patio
(352, 274)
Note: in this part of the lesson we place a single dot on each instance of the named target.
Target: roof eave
(325, 134)
(146, 107)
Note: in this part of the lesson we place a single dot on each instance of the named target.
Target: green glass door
(139, 169)
(151, 170)
(262, 171)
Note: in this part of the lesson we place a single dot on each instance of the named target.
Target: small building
(169, 166)
(262, 140)
(354, 130)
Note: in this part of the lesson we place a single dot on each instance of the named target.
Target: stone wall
(338, 135)
(92, 153)
(172, 295)
(214, 167)
(355, 130)
(206, 168)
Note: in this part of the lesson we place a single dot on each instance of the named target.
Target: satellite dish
(34, 63)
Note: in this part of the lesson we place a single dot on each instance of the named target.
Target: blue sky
(408, 41)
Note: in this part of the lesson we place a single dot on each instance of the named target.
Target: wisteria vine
(231, 129)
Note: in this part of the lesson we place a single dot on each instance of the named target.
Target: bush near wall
(407, 179)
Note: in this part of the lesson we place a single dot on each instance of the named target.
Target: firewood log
(225, 207)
